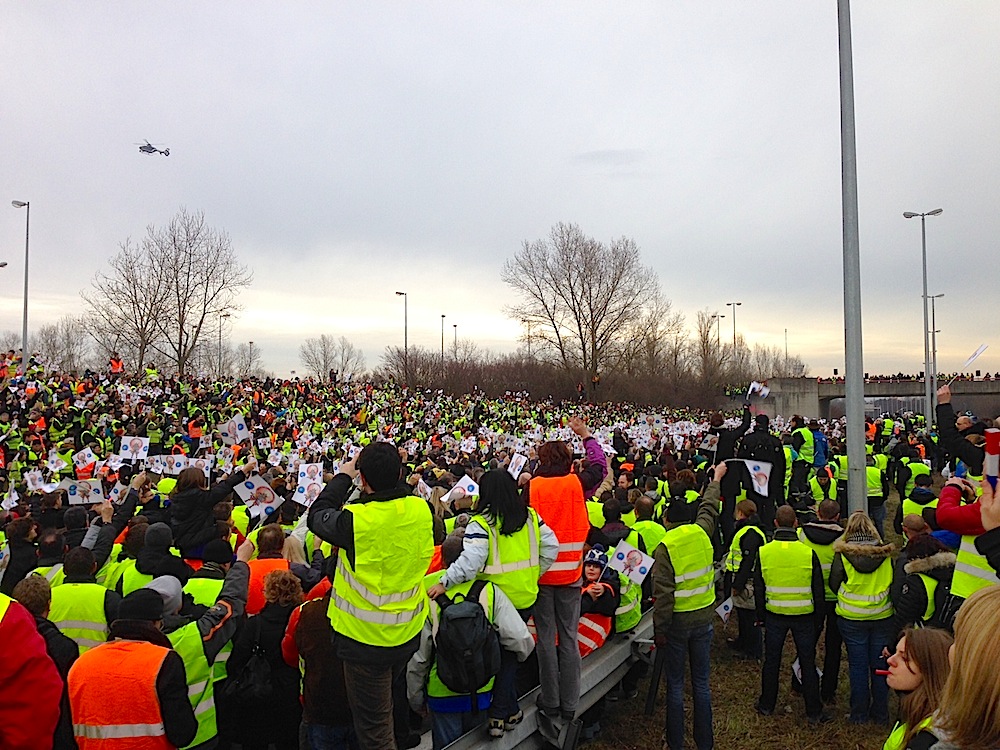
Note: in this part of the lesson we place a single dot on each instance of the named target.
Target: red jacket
(953, 516)
(30, 685)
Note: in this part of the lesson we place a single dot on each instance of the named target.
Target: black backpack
(252, 687)
(467, 647)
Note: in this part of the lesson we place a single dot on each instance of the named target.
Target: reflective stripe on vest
(786, 568)
(972, 571)
(128, 716)
(560, 504)
(690, 553)
(592, 632)
(53, 574)
(735, 557)
(865, 596)
(512, 561)
(188, 644)
(380, 600)
(77, 609)
(825, 554)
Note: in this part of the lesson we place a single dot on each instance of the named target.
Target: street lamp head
(935, 212)
(400, 294)
(3, 264)
(18, 204)
(909, 215)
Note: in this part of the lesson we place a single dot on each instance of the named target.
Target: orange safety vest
(436, 562)
(259, 569)
(591, 632)
(560, 503)
(117, 366)
(127, 717)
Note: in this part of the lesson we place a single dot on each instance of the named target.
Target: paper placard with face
(274, 458)
(55, 462)
(264, 444)
(258, 496)
(517, 462)
(234, 431)
(306, 494)
(34, 480)
(134, 448)
(84, 458)
(203, 464)
(630, 562)
(82, 493)
(156, 464)
(310, 474)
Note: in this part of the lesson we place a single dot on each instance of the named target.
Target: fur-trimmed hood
(863, 557)
(940, 563)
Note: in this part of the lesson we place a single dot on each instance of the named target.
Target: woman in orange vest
(130, 693)
(558, 496)
(270, 546)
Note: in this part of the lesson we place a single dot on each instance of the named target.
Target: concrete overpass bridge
(813, 398)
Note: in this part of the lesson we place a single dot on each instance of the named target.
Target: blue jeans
(322, 737)
(865, 640)
(446, 728)
(877, 514)
(682, 646)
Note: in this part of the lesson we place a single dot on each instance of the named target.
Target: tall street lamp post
(928, 395)
(406, 337)
(24, 318)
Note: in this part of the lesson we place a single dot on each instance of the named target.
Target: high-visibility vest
(53, 574)
(651, 532)
(972, 571)
(437, 689)
(841, 462)
(735, 557)
(895, 739)
(873, 480)
(913, 508)
(629, 612)
(259, 569)
(888, 427)
(917, 468)
(379, 600)
(786, 568)
(117, 366)
(817, 490)
(559, 501)
(512, 560)
(881, 461)
(789, 460)
(112, 697)
(188, 644)
(592, 631)
(133, 580)
(595, 513)
(205, 591)
(78, 611)
(930, 586)
(808, 450)
(825, 554)
(690, 552)
(865, 596)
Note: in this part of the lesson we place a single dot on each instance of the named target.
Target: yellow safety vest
(865, 596)
(787, 571)
(188, 644)
(825, 554)
(972, 571)
(690, 552)
(629, 612)
(78, 611)
(379, 600)
(512, 561)
(735, 557)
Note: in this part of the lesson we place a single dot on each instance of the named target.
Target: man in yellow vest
(819, 535)
(804, 445)
(82, 608)
(379, 605)
(684, 589)
(788, 584)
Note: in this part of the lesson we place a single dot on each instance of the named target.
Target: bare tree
(125, 302)
(247, 360)
(62, 345)
(320, 355)
(580, 296)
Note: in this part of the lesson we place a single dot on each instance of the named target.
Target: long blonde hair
(970, 707)
(859, 523)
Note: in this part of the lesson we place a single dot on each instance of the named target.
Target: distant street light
(734, 305)
(442, 345)
(934, 333)
(406, 337)
(222, 316)
(718, 329)
(24, 318)
(928, 395)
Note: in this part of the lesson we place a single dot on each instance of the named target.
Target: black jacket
(23, 560)
(726, 447)
(191, 517)
(954, 443)
(761, 445)
(64, 651)
(750, 543)
(910, 602)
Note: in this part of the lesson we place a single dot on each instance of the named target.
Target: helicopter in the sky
(149, 148)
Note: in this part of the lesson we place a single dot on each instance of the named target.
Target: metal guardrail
(599, 673)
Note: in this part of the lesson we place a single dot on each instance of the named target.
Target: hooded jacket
(191, 516)
(921, 496)
(865, 557)
(911, 601)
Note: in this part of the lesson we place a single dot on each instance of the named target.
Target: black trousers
(803, 629)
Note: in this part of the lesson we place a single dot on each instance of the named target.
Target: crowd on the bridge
(187, 562)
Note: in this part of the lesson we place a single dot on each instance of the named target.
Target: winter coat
(865, 558)
(23, 560)
(191, 517)
(910, 602)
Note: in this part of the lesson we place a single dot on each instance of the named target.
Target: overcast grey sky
(356, 149)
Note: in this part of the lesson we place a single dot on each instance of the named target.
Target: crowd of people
(192, 563)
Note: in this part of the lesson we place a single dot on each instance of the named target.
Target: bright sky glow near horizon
(355, 149)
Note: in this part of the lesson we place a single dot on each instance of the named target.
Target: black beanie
(218, 551)
(141, 604)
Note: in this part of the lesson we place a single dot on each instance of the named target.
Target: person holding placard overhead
(378, 607)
